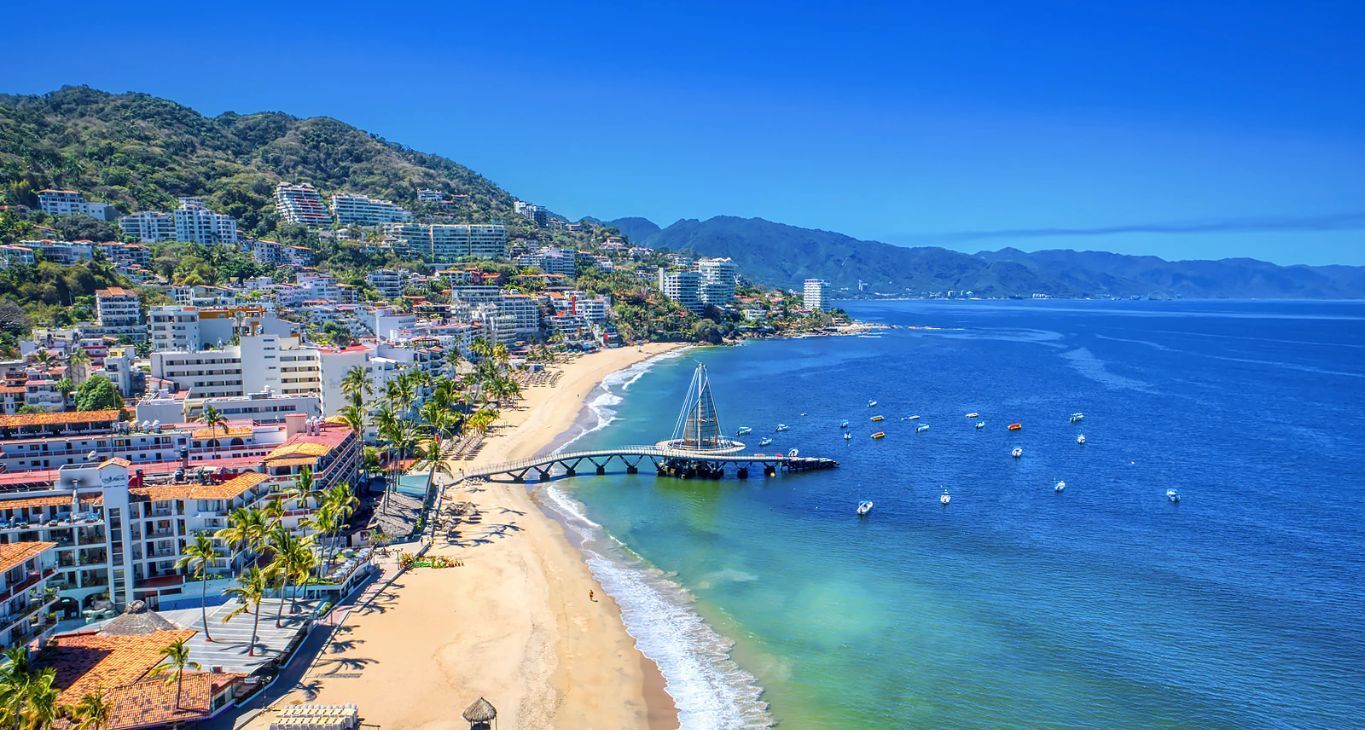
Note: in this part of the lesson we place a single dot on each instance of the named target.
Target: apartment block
(683, 287)
(149, 226)
(70, 202)
(194, 222)
(815, 295)
(718, 280)
(301, 204)
(447, 242)
(26, 599)
(363, 210)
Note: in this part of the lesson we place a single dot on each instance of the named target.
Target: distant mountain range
(781, 255)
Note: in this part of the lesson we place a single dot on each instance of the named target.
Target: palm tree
(325, 520)
(303, 488)
(250, 589)
(246, 529)
(201, 555)
(213, 419)
(302, 560)
(280, 570)
(356, 385)
(453, 359)
(40, 708)
(177, 660)
(92, 711)
(354, 416)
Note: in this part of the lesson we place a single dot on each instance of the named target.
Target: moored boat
(879, 435)
(1017, 452)
(878, 418)
(944, 498)
(781, 427)
(871, 403)
(1077, 417)
(1081, 439)
(744, 431)
(922, 428)
(980, 424)
(1016, 426)
(793, 454)
(847, 436)
(764, 441)
(864, 507)
(1060, 486)
(973, 414)
(843, 423)
(1173, 495)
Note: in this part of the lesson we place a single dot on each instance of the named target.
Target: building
(272, 253)
(718, 280)
(816, 295)
(537, 214)
(65, 253)
(683, 287)
(195, 223)
(301, 204)
(363, 210)
(447, 242)
(182, 328)
(26, 599)
(70, 202)
(16, 256)
(551, 261)
(388, 282)
(149, 226)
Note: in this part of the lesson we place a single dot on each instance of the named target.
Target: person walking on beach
(591, 596)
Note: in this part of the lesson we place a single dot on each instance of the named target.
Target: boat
(1077, 417)
(973, 414)
(912, 418)
(1018, 452)
(1173, 495)
(847, 436)
(764, 441)
(879, 435)
(803, 413)
(871, 403)
(921, 428)
(843, 423)
(1060, 486)
(793, 454)
(781, 427)
(878, 418)
(1081, 439)
(1016, 426)
(864, 507)
(945, 498)
(980, 424)
(744, 431)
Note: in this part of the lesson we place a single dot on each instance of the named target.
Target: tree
(213, 419)
(200, 554)
(356, 385)
(98, 393)
(92, 712)
(302, 489)
(176, 658)
(250, 589)
(246, 529)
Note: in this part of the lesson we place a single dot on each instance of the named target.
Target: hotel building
(363, 210)
(301, 204)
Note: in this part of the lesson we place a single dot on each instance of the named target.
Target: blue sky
(1181, 129)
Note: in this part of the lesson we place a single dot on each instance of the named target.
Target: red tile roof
(15, 553)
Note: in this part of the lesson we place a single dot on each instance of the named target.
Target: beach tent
(480, 715)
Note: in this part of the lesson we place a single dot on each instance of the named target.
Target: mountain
(777, 254)
(141, 152)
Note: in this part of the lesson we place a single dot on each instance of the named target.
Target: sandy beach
(513, 623)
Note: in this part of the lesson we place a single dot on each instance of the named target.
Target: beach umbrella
(480, 714)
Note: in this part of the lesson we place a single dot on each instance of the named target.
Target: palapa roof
(136, 620)
(481, 711)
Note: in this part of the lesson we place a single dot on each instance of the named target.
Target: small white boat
(1061, 485)
(921, 428)
(793, 454)
(871, 403)
(1173, 495)
(843, 423)
(864, 507)
(764, 441)
(744, 431)
(1077, 417)
(945, 498)
(973, 414)
(912, 418)
(1018, 452)
(1081, 439)
(803, 413)
(781, 427)
(848, 436)
(980, 424)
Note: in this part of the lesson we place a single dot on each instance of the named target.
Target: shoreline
(514, 622)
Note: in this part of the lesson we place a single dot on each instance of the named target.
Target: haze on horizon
(1163, 128)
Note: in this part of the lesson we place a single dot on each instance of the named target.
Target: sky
(1180, 129)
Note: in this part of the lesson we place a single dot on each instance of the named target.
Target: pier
(698, 449)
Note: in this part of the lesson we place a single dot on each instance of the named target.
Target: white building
(202, 374)
(718, 279)
(551, 260)
(363, 210)
(446, 242)
(197, 224)
(816, 295)
(61, 252)
(70, 202)
(388, 282)
(149, 226)
(25, 600)
(180, 328)
(301, 204)
(16, 256)
(683, 287)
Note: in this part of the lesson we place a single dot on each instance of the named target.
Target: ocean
(1106, 605)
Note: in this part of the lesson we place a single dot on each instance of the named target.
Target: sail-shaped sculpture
(698, 426)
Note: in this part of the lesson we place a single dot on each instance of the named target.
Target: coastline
(514, 623)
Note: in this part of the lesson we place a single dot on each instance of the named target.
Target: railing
(641, 451)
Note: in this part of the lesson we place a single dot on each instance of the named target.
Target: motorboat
(879, 435)
(1061, 485)
(945, 498)
(793, 454)
(1173, 495)
(1016, 426)
(764, 441)
(781, 427)
(912, 418)
(871, 403)
(843, 423)
(744, 431)
(1081, 439)
(878, 418)
(1018, 452)
(1077, 417)
(922, 428)
(980, 424)
(803, 413)
(864, 507)
(973, 414)
(848, 436)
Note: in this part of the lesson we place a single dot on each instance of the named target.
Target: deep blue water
(1102, 606)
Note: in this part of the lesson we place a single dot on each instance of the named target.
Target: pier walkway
(681, 463)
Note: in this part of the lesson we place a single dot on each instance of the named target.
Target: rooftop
(13, 554)
(67, 417)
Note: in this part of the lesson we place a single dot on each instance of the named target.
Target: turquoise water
(1102, 606)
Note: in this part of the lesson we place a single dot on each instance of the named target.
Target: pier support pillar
(769, 471)
(742, 473)
(603, 470)
(630, 469)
